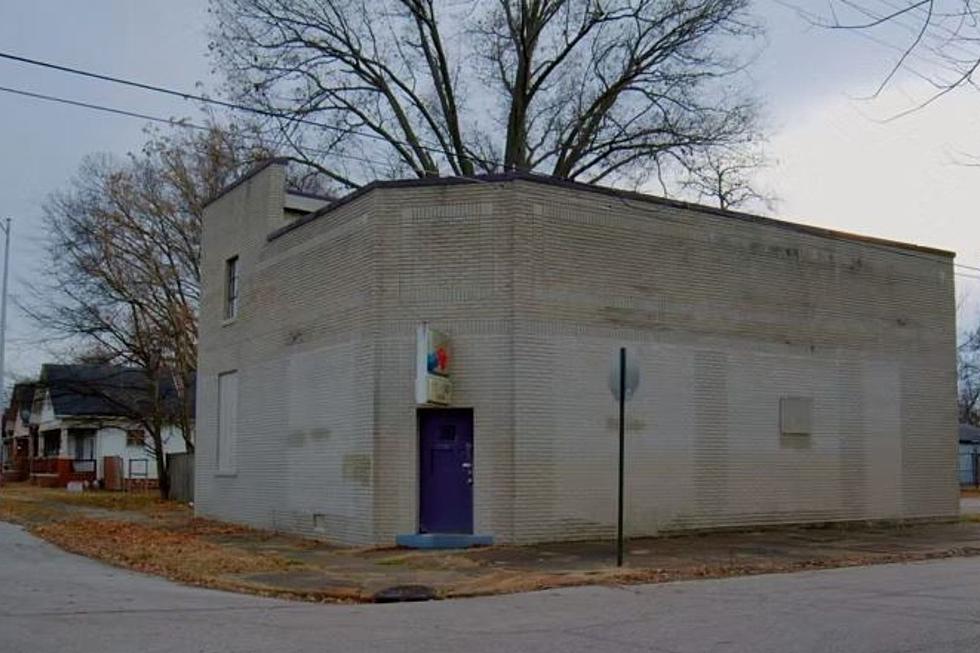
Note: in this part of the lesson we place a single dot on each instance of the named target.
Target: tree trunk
(163, 475)
(515, 154)
(156, 432)
(186, 417)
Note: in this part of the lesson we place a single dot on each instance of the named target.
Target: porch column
(63, 450)
(64, 460)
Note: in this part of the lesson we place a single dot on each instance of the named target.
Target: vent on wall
(319, 522)
(795, 415)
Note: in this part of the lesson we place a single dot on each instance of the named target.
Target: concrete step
(442, 540)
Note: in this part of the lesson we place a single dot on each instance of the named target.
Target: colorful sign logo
(434, 356)
(437, 358)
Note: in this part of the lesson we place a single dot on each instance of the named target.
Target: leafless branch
(123, 278)
(581, 89)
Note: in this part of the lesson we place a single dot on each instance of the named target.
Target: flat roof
(601, 190)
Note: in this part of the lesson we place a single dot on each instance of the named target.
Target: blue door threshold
(442, 540)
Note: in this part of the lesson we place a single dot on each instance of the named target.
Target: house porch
(61, 456)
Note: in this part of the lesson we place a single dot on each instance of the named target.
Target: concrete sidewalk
(504, 569)
(228, 557)
(970, 505)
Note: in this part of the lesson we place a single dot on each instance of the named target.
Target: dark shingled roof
(104, 390)
(22, 399)
(24, 392)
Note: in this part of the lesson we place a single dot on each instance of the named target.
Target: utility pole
(5, 226)
(622, 459)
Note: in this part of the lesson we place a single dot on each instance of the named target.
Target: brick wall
(538, 285)
(303, 347)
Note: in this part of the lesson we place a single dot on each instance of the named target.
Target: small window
(795, 415)
(135, 438)
(52, 443)
(231, 288)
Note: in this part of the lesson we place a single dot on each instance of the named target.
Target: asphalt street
(51, 601)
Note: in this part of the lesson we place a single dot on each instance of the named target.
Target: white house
(85, 418)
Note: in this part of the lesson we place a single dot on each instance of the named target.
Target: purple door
(446, 471)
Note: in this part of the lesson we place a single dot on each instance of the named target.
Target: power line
(190, 125)
(99, 107)
(236, 106)
(173, 122)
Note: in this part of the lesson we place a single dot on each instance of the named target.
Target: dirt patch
(184, 556)
(187, 556)
(509, 581)
(147, 503)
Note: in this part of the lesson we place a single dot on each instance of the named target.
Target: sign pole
(622, 442)
(5, 226)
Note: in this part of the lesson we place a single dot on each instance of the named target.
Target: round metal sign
(632, 375)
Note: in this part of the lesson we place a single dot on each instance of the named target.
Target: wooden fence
(181, 469)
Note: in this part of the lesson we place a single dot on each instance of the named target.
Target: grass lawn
(140, 531)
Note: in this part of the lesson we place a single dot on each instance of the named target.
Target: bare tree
(933, 40)
(726, 179)
(593, 90)
(968, 370)
(123, 282)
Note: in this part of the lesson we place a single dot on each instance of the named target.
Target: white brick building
(307, 419)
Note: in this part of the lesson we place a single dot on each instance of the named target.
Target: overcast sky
(836, 165)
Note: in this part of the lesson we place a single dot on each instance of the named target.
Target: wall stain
(300, 438)
(357, 467)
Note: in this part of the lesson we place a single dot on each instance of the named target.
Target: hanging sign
(631, 375)
(433, 361)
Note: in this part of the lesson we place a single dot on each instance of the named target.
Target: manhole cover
(404, 593)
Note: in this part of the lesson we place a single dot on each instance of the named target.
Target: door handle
(467, 465)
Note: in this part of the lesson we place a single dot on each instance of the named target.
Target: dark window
(134, 438)
(231, 288)
(52, 443)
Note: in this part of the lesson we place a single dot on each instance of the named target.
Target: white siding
(111, 441)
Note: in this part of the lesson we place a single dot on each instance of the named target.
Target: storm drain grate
(405, 593)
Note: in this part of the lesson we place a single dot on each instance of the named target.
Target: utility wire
(173, 122)
(99, 107)
(236, 106)
(190, 125)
